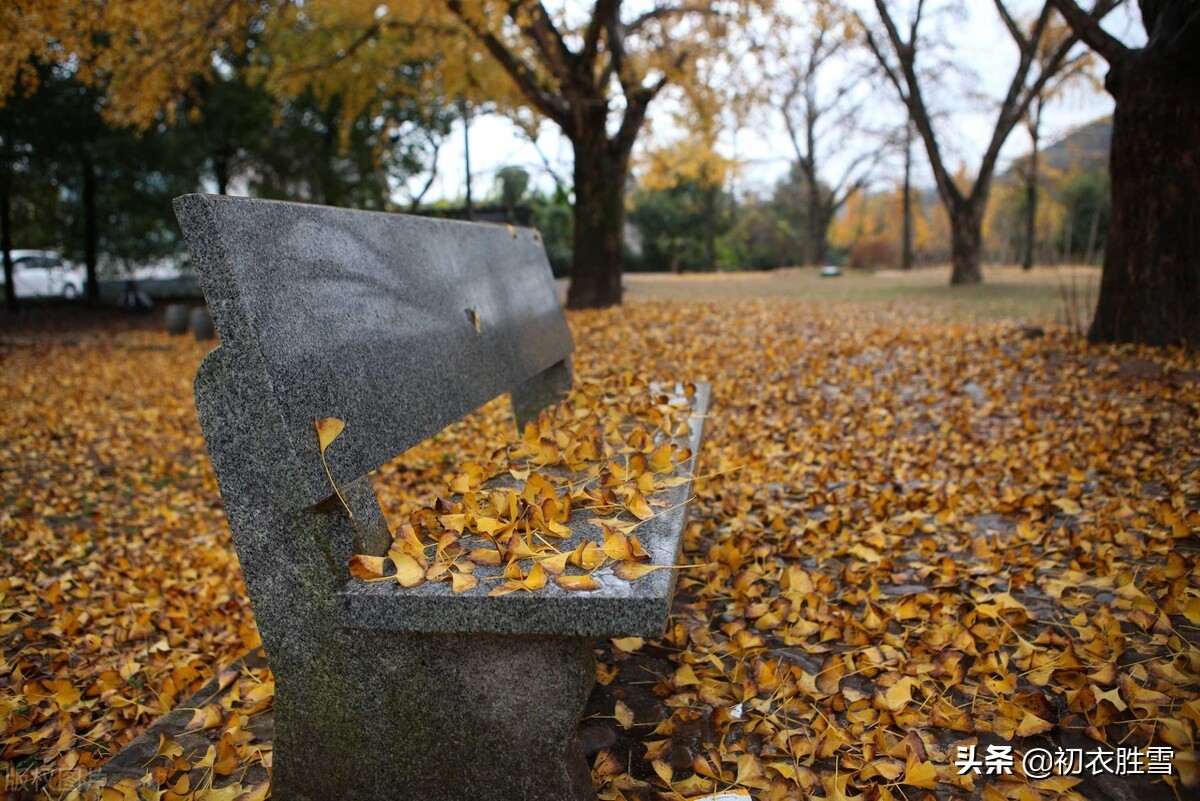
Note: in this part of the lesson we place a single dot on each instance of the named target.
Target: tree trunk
(1068, 236)
(599, 222)
(966, 245)
(221, 172)
(466, 118)
(710, 229)
(1089, 251)
(1031, 184)
(906, 246)
(91, 230)
(814, 242)
(10, 287)
(1150, 286)
(824, 221)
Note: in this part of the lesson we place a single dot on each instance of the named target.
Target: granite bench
(400, 326)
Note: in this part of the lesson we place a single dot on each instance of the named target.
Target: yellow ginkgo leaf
(577, 583)
(461, 582)
(921, 774)
(206, 717)
(1031, 724)
(328, 429)
(409, 572)
(624, 715)
(367, 568)
(629, 644)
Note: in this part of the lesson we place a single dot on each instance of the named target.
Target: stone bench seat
(619, 609)
(399, 326)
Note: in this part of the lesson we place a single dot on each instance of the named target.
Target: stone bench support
(399, 326)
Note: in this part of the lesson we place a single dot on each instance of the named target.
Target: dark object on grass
(133, 299)
(177, 318)
(202, 324)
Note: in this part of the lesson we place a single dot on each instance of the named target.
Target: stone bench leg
(382, 715)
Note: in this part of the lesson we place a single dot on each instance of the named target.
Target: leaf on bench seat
(632, 571)
(409, 572)
(604, 450)
(577, 583)
(535, 580)
(368, 568)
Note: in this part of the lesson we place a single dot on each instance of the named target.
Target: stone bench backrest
(398, 325)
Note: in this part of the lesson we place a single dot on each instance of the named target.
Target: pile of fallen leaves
(608, 450)
(120, 594)
(917, 536)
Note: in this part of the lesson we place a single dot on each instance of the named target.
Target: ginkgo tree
(594, 74)
(131, 57)
(142, 53)
(898, 41)
(715, 103)
(822, 97)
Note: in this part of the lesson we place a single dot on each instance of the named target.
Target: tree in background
(19, 122)
(556, 223)
(686, 177)
(1084, 199)
(92, 189)
(512, 186)
(311, 153)
(896, 51)
(105, 73)
(1006, 227)
(141, 57)
(871, 228)
(110, 175)
(907, 233)
(231, 116)
(682, 225)
(595, 75)
(771, 231)
(125, 131)
(1150, 286)
(591, 72)
(824, 113)
(1077, 71)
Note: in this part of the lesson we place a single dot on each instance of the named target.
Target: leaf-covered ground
(922, 535)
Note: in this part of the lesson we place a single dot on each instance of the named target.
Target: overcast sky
(978, 45)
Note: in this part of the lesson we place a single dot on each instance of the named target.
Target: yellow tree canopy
(365, 51)
(144, 53)
(689, 160)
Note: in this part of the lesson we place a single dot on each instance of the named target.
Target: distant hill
(1085, 147)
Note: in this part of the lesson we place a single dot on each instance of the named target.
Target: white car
(44, 274)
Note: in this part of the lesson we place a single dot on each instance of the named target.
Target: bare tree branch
(1014, 29)
(521, 73)
(548, 40)
(1186, 43)
(415, 204)
(884, 64)
(913, 98)
(664, 12)
(604, 11)
(1087, 27)
(1018, 97)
